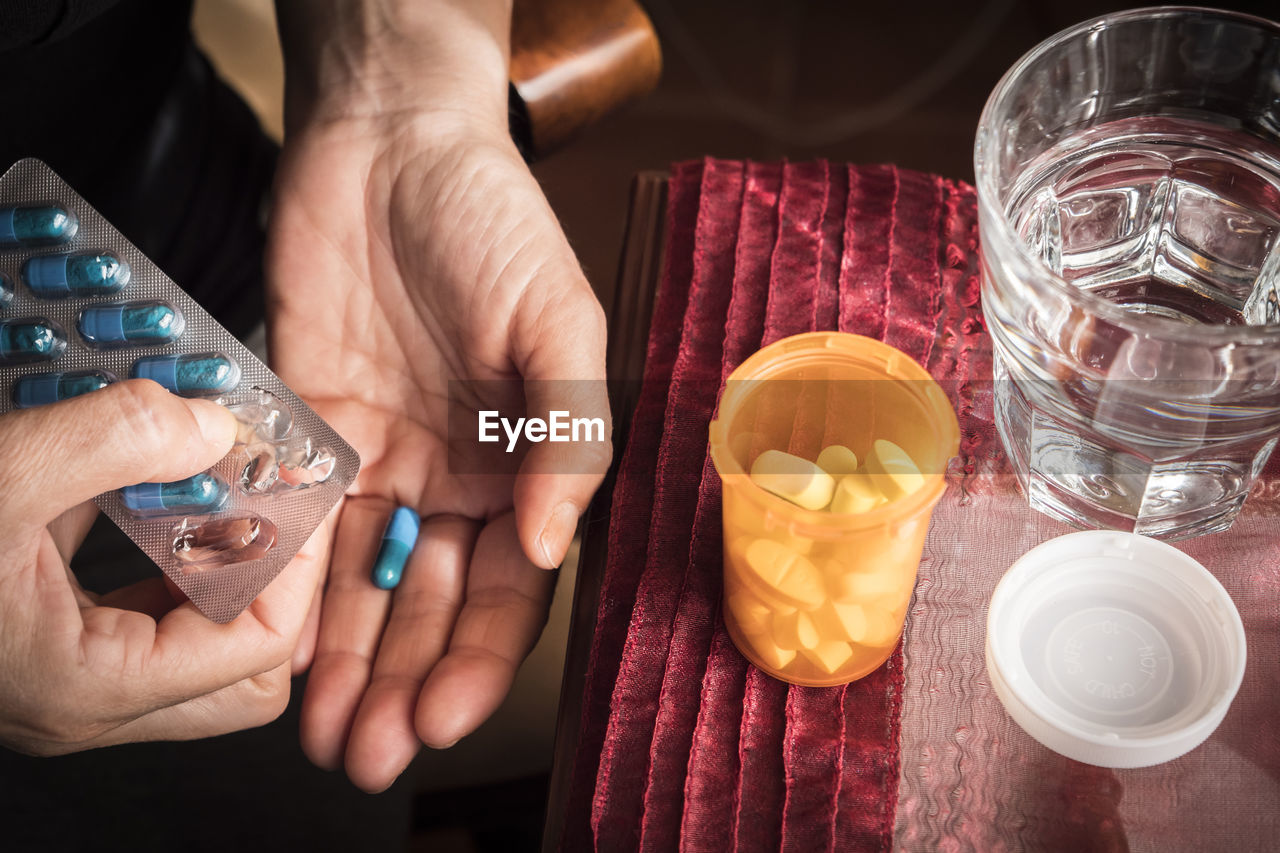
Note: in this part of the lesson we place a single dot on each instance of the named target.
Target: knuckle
(139, 406)
(597, 456)
(271, 692)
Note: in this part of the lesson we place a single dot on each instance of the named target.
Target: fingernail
(217, 425)
(557, 533)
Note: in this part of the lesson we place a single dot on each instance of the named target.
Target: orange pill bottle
(811, 596)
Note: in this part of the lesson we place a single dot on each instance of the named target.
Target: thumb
(564, 373)
(55, 457)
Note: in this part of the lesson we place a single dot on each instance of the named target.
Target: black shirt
(117, 100)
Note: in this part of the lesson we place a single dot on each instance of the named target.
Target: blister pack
(81, 307)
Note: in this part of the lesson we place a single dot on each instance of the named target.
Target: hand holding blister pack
(80, 308)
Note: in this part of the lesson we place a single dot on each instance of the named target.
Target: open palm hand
(399, 263)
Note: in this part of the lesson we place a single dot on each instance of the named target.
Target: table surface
(968, 778)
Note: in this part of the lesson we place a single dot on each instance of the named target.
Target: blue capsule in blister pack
(36, 225)
(130, 323)
(200, 374)
(6, 290)
(38, 389)
(199, 495)
(79, 274)
(30, 339)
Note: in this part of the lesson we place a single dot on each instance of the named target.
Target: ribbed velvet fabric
(683, 743)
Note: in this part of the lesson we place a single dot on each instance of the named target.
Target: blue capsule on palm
(200, 374)
(130, 323)
(397, 543)
(36, 225)
(199, 495)
(81, 274)
(30, 339)
(39, 389)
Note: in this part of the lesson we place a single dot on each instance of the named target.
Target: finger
(351, 623)
(139, 433)
(383, 740)
(69, 529)
(506, 605)
(55, 607)
(317, 551)
(145, 664)
(557, 479)
(252, 702)
(305, 651)
(548, 507)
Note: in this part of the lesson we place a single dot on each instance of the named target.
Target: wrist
(377, 60)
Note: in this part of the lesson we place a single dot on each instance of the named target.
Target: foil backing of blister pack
(220, 592)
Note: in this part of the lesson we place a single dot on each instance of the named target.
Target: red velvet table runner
(683, 743)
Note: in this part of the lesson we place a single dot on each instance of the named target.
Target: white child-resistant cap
(1114, 649)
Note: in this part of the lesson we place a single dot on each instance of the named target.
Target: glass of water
(1128, 175)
